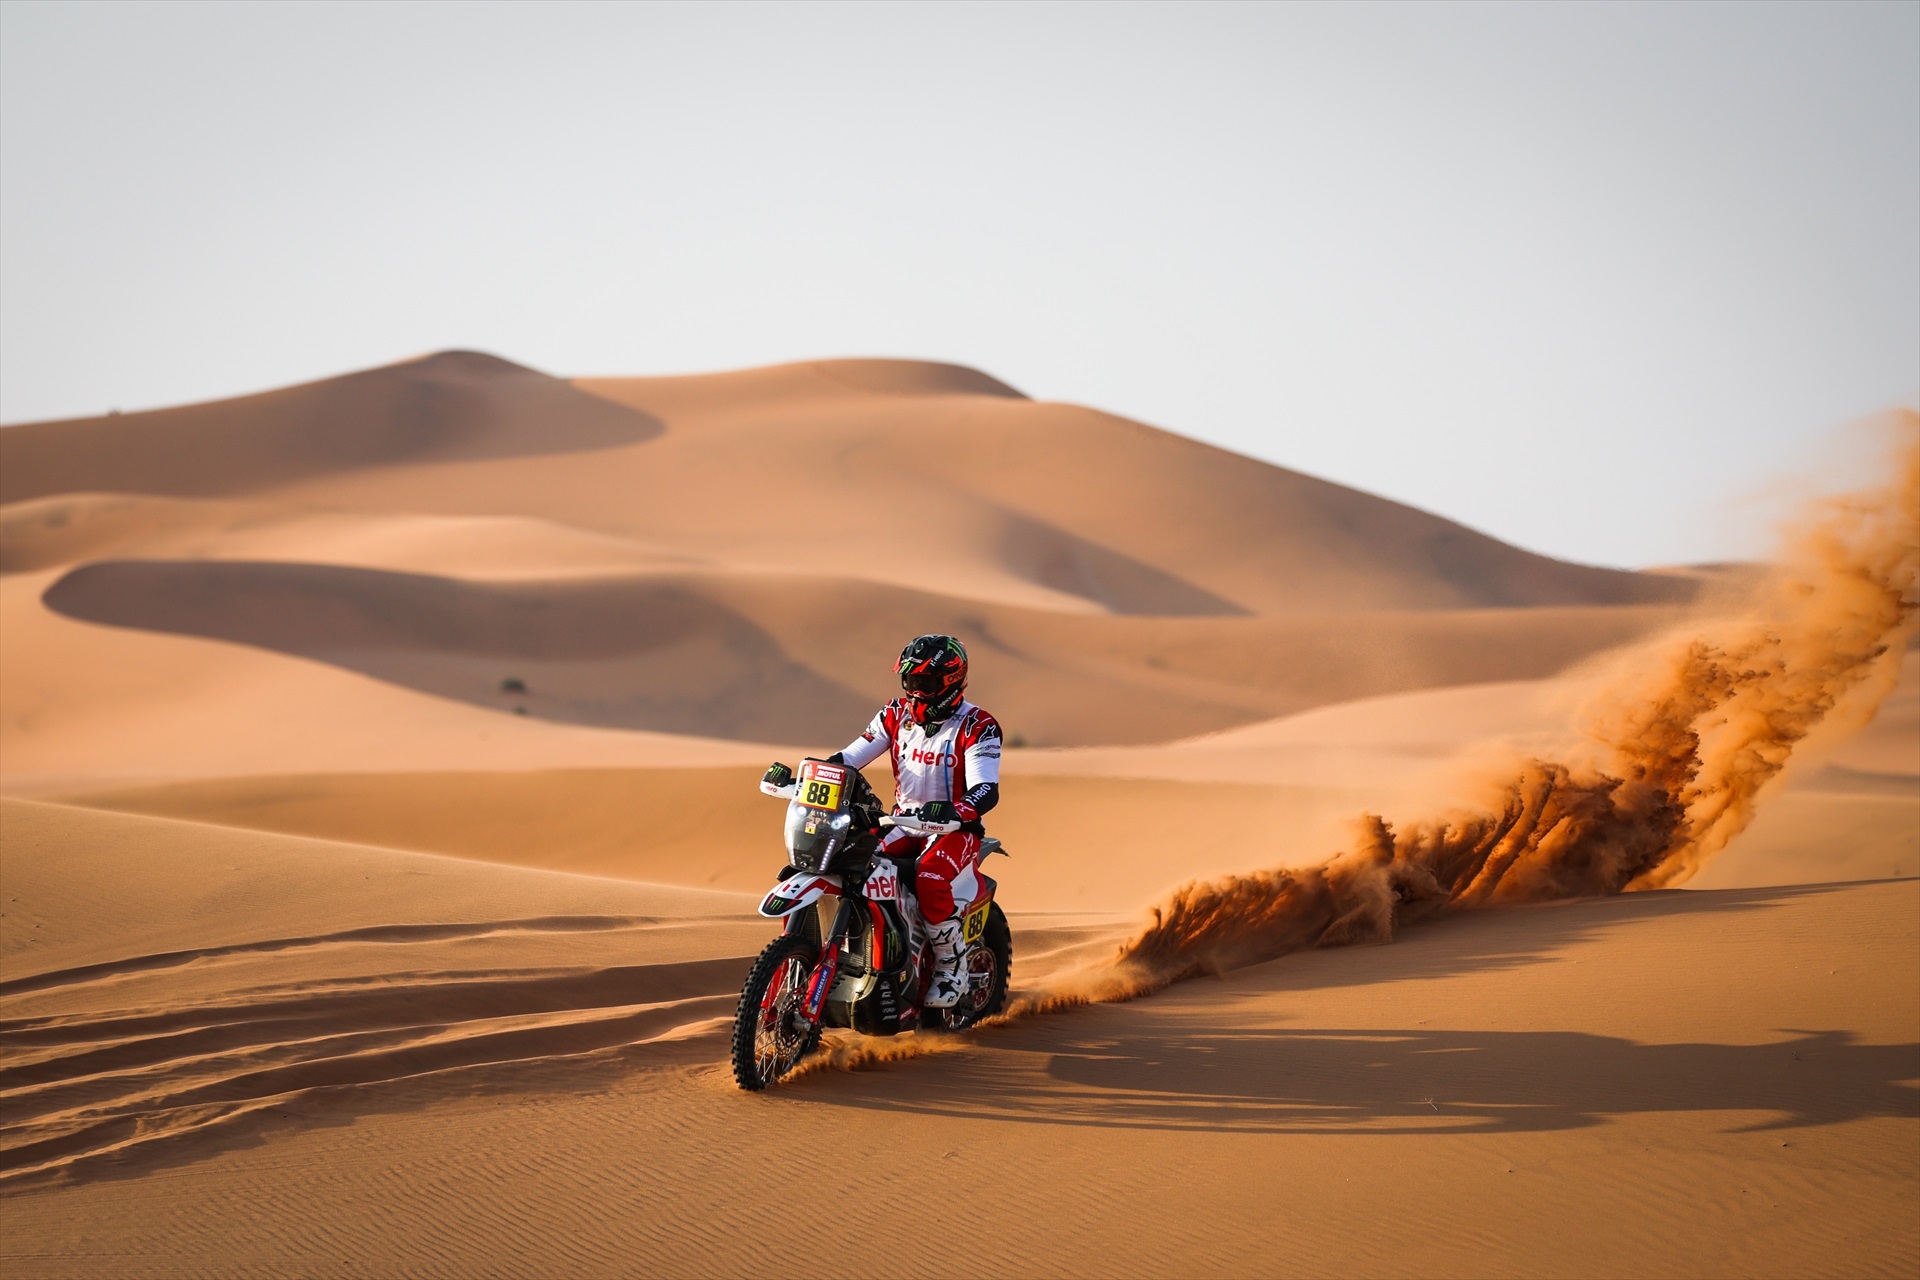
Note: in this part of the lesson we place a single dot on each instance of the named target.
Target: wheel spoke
(776, 1044)
(980, 978)
(769, 1036)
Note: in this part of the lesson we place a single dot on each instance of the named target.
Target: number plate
(976, 923)
(820, 785)
(820, 795)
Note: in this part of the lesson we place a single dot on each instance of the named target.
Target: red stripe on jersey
(890, 720)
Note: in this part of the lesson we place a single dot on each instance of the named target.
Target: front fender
(801, 889)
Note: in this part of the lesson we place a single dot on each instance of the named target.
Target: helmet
(933, 674)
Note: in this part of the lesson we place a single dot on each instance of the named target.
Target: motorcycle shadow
(1341, 1080)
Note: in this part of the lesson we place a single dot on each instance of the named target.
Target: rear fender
(802, 889)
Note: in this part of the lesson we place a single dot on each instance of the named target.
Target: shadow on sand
(1177, 1062)
(1420, 1081)
(1496, 938)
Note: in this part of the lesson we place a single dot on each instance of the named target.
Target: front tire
(992, 960)
(766, 1043)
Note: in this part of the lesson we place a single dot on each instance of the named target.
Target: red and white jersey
(941, 762)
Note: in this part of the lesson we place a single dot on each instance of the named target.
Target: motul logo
(931, 757)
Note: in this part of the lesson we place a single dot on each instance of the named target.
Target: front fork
(827, 970)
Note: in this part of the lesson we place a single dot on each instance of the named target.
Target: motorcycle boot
(949, 966)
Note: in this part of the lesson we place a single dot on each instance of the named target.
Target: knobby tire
(997, 938)
(748, 1071)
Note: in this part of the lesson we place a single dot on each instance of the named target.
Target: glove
(938, 811)
(778, 775)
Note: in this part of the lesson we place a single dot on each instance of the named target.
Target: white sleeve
(983, 761)
(869, 746)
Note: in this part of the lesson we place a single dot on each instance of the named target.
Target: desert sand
(379, 851)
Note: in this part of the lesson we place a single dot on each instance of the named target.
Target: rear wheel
(768, 1033)
(989, 964)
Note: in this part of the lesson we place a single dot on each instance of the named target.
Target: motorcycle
(853, 951)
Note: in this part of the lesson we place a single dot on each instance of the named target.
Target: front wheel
(989, 964)
(769, 1036)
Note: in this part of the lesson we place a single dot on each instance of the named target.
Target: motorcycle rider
(945, 753)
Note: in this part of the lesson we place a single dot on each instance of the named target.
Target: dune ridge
(451, 405)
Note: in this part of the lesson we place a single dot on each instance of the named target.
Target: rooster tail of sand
(1679, 750)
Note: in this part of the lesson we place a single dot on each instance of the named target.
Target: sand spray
(1680, 738)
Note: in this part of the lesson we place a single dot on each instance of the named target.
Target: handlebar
(906, 822)
(913, 826)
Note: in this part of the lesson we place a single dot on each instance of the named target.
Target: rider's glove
(964, 812)
(778, 776)
(938, 811)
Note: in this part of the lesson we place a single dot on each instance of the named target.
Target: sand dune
(742, 464)
(41, 533)
(462, 527)
(1098, 829)
(1267, 539)
(106, 706)
(225, 1056)
(456, 404)
(792, 659)
(1076, 843)
(389, 871)
(44, 533)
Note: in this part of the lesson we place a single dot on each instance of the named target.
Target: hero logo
(932, 757)
(883, 885)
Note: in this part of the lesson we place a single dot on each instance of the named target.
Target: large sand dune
(791, 658)
(737, 555)
(381, 842)
(858, 466)
(454, 405)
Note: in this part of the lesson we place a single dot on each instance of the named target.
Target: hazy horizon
(1600, 280)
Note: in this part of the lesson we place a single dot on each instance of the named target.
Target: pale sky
(1591, 278)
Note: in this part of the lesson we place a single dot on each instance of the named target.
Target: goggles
(927, 684)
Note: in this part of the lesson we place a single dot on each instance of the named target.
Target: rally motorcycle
(853, 951)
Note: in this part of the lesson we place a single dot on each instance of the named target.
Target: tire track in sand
(389, 933)
(78, 1092)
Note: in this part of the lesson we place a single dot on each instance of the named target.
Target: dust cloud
(1680, 740)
